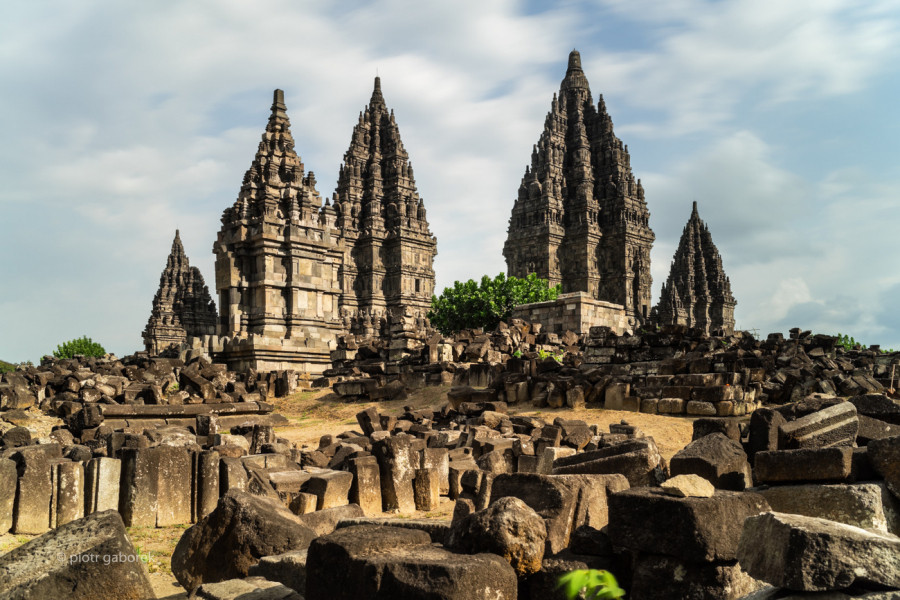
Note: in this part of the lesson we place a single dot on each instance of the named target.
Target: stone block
(614, 395)
(88, 558)
(550, 455)
(884, 455)
(509, 528)
(878, 406)
(386, 562)
(835, 425)
(325, 521)
(527, 464)
(332, 488)
(227, 542)
(670, 406)
(206, 478)
(650, 406)
(873, 429)
(707, 425)
(8, 482)
(700, 408)
(139, 487)
(565, 502)
(288, 568)
(34, 491)
(438, 458)
(659, 577)
(426, 488)
(718, 459)
(867, 505)
(101, 484)
(257, 588)
(809, 554)
(366, 487)
(638, 460)
(805, 465)
(303, 503)
(232, 475)
(764, 425)
(174, 485)
(692, 529)
(397, 462)
(67, 502)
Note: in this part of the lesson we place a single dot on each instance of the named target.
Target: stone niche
(576, 312)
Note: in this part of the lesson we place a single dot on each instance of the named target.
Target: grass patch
(6, 367)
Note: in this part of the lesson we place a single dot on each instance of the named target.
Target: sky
(122, 121)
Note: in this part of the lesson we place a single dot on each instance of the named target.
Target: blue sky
(121, 121)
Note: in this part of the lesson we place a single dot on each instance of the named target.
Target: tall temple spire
(580, 218)
(390, 248)
(182, 306)
(697, 292)
(275, 186)
(277, 260)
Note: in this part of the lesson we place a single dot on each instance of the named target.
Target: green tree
(470, 305)
(83, 345)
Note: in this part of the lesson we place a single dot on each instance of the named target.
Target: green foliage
(83, 345)
(6, 367)
(595, 584)
(470, 305)
(542, 354)
(848, 343)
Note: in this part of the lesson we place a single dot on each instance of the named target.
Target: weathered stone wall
(576, 312)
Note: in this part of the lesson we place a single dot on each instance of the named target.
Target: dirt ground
(313, 414)
(317, 413)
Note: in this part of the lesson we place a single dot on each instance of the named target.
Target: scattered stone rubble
(533, 498)
(673, 370)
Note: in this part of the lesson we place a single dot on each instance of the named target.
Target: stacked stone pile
(671, 371)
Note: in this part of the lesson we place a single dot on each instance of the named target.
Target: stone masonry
(697, 292)
(182, 306)
(576, 312)
(580, 218)
(278, 257)
(388, 247)
(293, 274)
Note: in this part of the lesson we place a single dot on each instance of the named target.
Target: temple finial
(377, 98)
(278, 107)
(574, 60)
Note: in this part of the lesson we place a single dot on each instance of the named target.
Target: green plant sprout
(595, 584)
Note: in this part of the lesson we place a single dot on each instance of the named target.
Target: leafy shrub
(471, 305)
(6, 367)
(83, 345)
(595, 584)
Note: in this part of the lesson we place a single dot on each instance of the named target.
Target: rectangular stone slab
(692, 529)
(804, 465)
(101, 484)
(867, 505)
(8, 481)
(809, 554)
(835, 425)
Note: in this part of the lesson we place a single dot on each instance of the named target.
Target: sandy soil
(317, 413)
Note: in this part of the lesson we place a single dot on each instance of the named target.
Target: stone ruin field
(689, 466)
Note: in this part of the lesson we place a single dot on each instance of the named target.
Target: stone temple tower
(182, 306)
(580, 218)
(389, 250)
(278, 258)
(697, 292)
